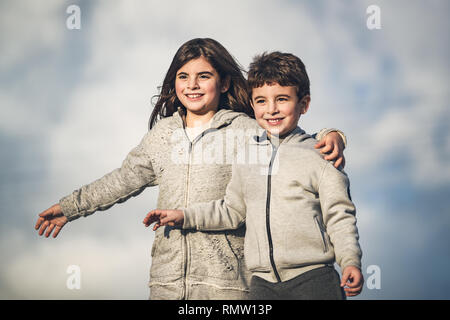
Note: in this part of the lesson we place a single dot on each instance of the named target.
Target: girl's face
(198, 87)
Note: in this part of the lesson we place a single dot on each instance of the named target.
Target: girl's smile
(198, 87)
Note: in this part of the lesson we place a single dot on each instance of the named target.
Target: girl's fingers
(338, 162)
(57, 230)
(326, 149)
(38, 223)
(49, 230)
(320, 144)
(43, 227)
(332, 155)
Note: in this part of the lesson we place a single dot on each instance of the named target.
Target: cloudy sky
(73, 103)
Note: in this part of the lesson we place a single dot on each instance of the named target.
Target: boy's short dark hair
(276, 67)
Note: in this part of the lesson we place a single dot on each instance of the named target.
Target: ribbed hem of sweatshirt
(286, 274)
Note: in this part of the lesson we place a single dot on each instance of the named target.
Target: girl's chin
(201, 110)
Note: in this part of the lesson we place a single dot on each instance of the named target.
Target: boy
(298, 212)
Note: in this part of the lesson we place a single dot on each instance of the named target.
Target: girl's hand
(333, 145)
(352, 281)
(53, 218)
(164, 218)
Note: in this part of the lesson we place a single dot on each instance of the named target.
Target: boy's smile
(277, 108)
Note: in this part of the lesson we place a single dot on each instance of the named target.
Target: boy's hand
(164, 218)
(352, 281)
(333, 145)
(52, 218)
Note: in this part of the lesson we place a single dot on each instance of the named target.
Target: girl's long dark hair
(236, 98)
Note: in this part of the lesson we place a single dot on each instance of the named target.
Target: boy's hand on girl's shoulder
(352, 281)
(53, 219)
(333, 146)
(164, 218)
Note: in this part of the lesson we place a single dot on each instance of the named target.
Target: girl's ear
(304, 104)
(225, 84)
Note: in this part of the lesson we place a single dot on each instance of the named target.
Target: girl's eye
(182, 76)
(204, 76)
(260, 101)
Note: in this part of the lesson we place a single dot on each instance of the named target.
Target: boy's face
(277, 108)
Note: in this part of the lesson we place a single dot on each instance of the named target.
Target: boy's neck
(269, 135)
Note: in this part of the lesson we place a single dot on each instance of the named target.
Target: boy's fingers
(353, 289)
(344, 280)
(165, 220)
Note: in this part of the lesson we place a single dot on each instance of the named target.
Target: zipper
(322, 234)
(186, 200)
(269, 236)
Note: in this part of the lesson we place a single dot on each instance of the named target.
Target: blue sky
(73, 103)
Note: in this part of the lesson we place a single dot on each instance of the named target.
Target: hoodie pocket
(322, 233)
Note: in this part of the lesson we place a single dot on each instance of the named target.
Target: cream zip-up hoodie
(296, 207)
(185, 264)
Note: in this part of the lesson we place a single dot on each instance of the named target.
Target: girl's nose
(192, 83)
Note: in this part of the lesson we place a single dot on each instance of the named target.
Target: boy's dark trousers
(318, 284)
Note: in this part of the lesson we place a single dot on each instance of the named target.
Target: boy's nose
(272, 107)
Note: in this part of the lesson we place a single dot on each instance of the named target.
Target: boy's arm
(227, 213)
(338, 213)
(135, 174)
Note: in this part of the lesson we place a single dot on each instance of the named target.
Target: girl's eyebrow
(200, 73)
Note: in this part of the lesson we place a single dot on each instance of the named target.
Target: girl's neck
(197, 120)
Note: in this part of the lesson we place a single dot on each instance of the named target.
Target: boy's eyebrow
(283, 95)
(278, 96)
(259, 97)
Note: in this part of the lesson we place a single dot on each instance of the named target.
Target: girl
(203, 94)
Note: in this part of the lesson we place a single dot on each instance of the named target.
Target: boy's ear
(225, 84)
(304, 104)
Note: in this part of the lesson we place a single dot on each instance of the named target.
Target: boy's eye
(282, 99)
(204, 76)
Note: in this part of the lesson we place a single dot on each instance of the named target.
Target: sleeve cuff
(68, 208)
(322, 133)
